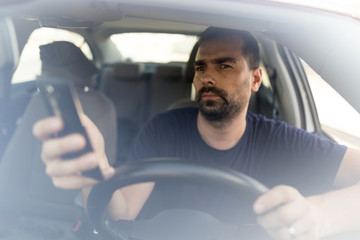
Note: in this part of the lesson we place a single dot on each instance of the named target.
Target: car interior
(124, 96)
(120, 96)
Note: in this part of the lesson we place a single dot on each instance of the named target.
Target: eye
(199, 68)
(224, 66)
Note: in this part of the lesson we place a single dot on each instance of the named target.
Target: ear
(256, 76)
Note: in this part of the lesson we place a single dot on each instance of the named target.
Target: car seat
(168, 85)
(128, 87)
(189, 72)
(25, 189)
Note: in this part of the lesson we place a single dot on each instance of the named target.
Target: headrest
(171, 72)
(128, 70)
(64, 59)
(189, 68)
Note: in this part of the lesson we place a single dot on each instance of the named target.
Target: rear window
(154, 47)
(30, 64)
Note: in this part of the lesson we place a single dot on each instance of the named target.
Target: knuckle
(287, 191)
(44, 151)
(294, 190)
(57, 183)
(61, 183)
(43, 157)
(52, 172)
(35, 130)
(48, 171)
(286, 188)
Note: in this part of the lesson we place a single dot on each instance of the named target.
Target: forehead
(221, 47)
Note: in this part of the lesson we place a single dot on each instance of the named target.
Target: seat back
(128, 88)
(168, 86)
(125, 85)
(24, 186)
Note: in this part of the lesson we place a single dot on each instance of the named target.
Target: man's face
(223, 80)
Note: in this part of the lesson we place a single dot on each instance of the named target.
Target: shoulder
(279, 132)
(258, 121)
(276, 130)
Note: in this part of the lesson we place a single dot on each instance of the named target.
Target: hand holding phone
(61, 99)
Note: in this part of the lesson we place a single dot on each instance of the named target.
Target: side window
(337, 117)
(30, 64)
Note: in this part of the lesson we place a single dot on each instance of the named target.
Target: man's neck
(222, 135)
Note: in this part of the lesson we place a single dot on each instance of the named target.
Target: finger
(305, 226)
(107, 172)
(93, 132)
(310, 235)
(86, 122)
(73, 182)
(284, 233)
(281, 233)
(45, 128)
(61, 168)
(274, 198)
(56, 147)
(302, 229)
(284, 215)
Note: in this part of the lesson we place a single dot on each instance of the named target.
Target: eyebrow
(216, 61)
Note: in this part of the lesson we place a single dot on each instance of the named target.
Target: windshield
(346, 7)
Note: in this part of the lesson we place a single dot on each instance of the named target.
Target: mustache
(221, 93)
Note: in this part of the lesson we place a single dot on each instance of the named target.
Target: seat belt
(147, 98)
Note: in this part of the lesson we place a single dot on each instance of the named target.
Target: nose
(207, 78)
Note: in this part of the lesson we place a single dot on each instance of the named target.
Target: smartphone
(61, 99)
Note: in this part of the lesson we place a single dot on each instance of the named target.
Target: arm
(341, 208)
(125, 204)
(284, 208)
(134, 196)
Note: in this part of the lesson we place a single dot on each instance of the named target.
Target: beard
(223, 109)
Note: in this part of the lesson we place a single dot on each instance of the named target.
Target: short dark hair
(250, 49)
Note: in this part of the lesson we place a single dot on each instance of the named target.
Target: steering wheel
(180, 223)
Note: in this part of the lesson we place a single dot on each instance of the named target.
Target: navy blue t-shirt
(270, 151)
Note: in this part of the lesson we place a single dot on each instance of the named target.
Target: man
(221, 132)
